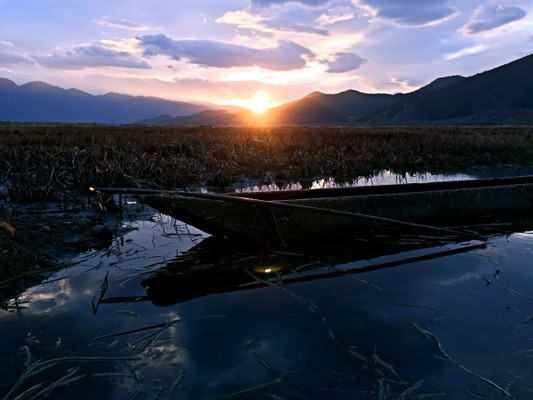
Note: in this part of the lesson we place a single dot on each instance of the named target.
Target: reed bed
(42, 162)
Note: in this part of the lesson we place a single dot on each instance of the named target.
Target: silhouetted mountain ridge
(502, 95)
(42, 102)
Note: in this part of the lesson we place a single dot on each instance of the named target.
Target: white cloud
(242, 19)
(400, 85)
(269, 3)
(7, 44)
(336, 14)
(489, 17)
(121, 24)
(292, 16)
(469, 51)
(296, 18)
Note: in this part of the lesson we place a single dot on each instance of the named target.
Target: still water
(123, 323)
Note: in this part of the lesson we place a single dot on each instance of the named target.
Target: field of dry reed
(41, 162)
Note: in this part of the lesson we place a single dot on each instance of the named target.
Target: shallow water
(453, 326)
(388, 178)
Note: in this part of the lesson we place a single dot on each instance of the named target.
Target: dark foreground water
(121, 324)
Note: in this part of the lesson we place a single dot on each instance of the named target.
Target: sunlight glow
(258, 103)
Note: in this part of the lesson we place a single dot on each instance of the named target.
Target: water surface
(454, 326)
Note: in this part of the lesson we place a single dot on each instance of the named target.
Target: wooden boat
(287, 217)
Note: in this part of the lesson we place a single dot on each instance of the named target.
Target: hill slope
(502, 95)
(330, 109)
(41, 102)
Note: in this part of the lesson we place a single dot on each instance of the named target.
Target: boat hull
(309, 218)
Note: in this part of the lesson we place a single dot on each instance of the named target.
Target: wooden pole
(284, 205)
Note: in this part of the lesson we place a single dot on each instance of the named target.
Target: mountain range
(503, 95)
(41, 102)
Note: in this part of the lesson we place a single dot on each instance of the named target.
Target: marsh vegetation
(111, 321)
(42, 162)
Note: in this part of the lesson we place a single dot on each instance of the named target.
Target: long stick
(279, 204)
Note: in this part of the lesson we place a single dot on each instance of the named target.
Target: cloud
(487, 17)
(411, 13)
(7, 59)
(344, 62)
(8, 56)
(121, 24)
(242, 19)
(286, 56)
(469, 51)
(7, 44)
(294, 17)
(268, 3)
(291, 16)
(400, 85)
(91, 55)
(336, 14)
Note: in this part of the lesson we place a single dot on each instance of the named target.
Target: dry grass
(48, 161)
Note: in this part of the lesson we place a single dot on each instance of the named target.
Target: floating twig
(145, 328)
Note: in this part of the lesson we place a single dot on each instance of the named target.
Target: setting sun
(260, 102)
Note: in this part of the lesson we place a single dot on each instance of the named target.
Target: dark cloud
(8, 60)
(87, 56)
(345, 62)
(286, 56)
(489, 17)
(411, 12)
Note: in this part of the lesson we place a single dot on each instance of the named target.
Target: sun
(259, 102)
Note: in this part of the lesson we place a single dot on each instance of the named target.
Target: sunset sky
(231, 51)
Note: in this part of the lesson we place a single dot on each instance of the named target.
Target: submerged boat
(286, 217)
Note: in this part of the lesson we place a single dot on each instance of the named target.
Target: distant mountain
(41, 102)
(314, 109)
(212, 117)
(440, 83)
(503, 95)
(343, 108)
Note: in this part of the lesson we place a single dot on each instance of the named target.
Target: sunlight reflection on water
(381, 178)
(385, 177)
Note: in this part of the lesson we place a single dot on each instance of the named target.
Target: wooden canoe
(307, 215)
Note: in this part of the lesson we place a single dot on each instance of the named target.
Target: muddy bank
(39, 238)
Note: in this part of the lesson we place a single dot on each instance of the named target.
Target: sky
(263, 51)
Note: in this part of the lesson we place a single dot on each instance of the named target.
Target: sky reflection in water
(338, 338)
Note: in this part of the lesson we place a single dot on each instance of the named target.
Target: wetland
(137, 305)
